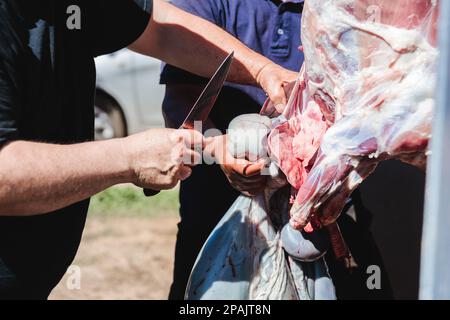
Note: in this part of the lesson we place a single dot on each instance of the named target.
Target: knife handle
(150, 192)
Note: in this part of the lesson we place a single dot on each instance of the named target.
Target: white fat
(403, 102)
(247, 136)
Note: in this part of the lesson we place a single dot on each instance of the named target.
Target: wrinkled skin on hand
(243, 175)
(246, 178)
(272, 109)
(275, 81)
(160, 158)
(243, 155)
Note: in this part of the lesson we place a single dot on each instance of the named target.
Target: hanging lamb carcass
(365, 94)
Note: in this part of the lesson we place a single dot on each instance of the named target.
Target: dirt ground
(122, 258)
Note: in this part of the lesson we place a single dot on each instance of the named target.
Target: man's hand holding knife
(245, 176)
(160, 158)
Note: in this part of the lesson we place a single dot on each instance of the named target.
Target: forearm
(196, 45)
(38, 178)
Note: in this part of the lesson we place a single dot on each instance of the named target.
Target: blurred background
(129, 95)
(129, 241)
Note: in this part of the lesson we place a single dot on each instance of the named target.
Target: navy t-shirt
(269, 27)
(47, 88)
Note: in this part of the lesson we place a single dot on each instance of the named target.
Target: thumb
(185, 172)
(249, 169)
(277, 95)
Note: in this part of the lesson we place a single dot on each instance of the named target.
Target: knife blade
(205, 102)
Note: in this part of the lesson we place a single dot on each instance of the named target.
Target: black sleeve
(9, 104)
(115, 24)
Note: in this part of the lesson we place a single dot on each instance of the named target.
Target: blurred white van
(129, 96)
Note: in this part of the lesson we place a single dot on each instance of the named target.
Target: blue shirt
(269, 27)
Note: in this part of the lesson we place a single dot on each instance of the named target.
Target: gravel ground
(122, 258)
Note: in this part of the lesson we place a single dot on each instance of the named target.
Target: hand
(160, 158)
(273, 110)
(243, 175)
(275, 80)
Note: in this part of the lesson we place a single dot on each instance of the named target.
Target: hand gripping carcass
(244, 257)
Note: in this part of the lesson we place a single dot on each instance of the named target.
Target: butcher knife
(205, 102)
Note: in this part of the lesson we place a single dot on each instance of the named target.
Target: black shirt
(47, 88)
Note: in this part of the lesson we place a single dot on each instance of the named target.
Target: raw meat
(365, 94)
(243, 257)
(243, 260)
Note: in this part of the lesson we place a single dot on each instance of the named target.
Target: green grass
(130, 201)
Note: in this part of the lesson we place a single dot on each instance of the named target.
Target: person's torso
(269, 27)
(57, 73)
(55, 79)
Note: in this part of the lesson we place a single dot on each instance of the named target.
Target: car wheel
(109, 119)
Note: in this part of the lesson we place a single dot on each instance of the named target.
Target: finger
(215, 148)
(184, 173)
(248, 169)
(277, 95)
(250, 192)
(191, 157)
(280, 108)
(178, 153)
(255, 192)
(248, 181)
(288, 87)
(192, 139)
(268, 109)
(242, 184)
